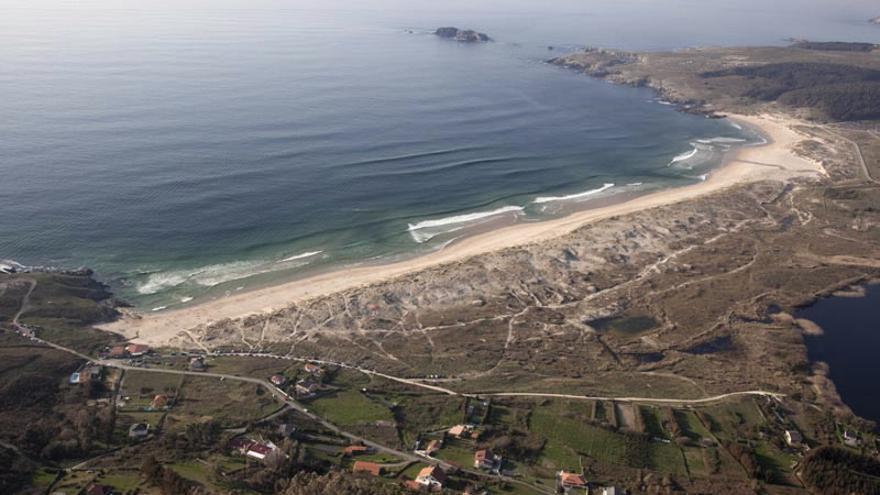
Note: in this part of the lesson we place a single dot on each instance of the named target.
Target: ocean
(190, 149)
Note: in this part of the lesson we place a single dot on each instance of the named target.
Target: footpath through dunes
(773, 160)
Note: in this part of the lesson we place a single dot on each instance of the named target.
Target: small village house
(851, 439)
(136, 350)
(312, 369)
(460, 431)
(570, 481)
(197, 364)
(159, 402)
(278, 380)
(793, 438)
(261, 451)
(368, 467)
(432, 478)
(485, 459)
(306, 388)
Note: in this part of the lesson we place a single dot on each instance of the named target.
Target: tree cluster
(840, 92)
(837, 471)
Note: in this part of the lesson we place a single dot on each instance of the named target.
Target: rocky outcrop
(875, 20)
(463, 35)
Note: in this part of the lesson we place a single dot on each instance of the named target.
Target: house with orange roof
(368, 467)
(432, 478)
(136, 350)
(459, 431)
(159, 402)
(570, 481)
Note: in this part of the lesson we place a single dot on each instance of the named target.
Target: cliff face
(463, 35)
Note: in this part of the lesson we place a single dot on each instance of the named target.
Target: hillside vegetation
(840, 92)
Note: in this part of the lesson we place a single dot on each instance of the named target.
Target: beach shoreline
(773, 160)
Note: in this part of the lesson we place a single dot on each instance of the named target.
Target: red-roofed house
(432, 478)
(568, 481)
(459, 431)
(312, 368)
(368, 467)
(278, 380)
(136, 350)
(260, 451)
(159, 402)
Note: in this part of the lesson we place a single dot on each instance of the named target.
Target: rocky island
(875, 20)
(463, 35)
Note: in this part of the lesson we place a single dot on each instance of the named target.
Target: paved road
(858, 148)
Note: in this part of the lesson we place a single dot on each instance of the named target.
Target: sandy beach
(774, 160)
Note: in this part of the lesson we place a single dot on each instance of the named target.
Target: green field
(229, 402)
(122, 481)
(566, 438)
(653, 426)
(350, 407)
(458, 452)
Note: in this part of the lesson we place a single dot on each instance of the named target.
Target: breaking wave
(300, 256)
(585, 194)
(428, 229)
(685, 156)
(209, 276)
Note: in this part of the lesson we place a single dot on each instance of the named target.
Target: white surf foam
(685, 156)
(735, 125)
(437, 226)
(721, 140)
(634, 184)
(206, 276)
(160, 308)
(186, 299)
(301, 256)
(585, 194)
(160, 281)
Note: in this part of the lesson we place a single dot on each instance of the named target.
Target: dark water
(188, 147)
(850, 346)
